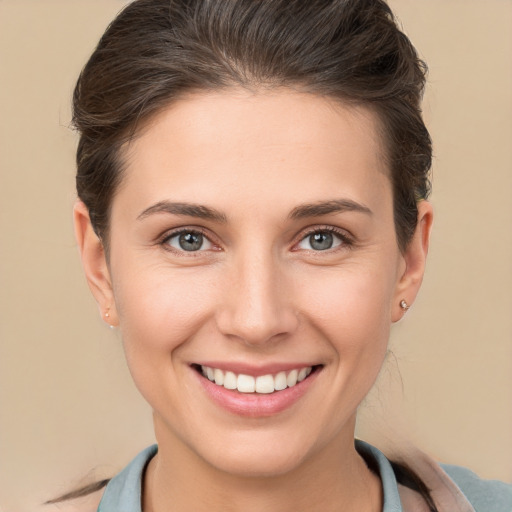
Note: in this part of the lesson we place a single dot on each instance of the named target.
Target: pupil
(321, 241)
(191, 241)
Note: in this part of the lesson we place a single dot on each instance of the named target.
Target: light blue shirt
(123, 493)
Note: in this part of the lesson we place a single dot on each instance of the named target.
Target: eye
(189, 241)
(322, 240)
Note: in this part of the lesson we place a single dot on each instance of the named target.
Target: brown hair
(157, 50)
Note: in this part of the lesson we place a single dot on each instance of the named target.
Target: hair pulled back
(157, 50)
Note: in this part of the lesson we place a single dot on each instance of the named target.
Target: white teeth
(219, 376)
(280, 381)
(230, 380)
(245, 383)
(291, 380)
(264, 384)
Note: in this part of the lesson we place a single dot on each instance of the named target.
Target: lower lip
(256, 405)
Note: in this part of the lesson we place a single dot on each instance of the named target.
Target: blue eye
(189, 241)
(321, 240)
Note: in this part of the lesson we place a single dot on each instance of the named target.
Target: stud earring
(404, 305)
(107, 316)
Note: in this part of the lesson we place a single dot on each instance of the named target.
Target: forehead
(257, 144)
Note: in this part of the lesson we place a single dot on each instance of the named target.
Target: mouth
(270, 383)
(256, 392)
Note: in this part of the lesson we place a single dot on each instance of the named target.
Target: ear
(94, 263)
(414, 259)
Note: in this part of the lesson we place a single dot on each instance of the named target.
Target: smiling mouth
(263, 384)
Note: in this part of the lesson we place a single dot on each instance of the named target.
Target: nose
(256, 305)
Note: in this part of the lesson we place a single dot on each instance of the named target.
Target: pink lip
(256, 405)
(255, 370)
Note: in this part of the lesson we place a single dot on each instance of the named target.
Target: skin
(257, 293)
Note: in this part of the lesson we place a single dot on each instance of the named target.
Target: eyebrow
(299, 212)
(186, 209)
(326, 207)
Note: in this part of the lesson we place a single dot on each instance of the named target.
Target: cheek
(351, 308)
(159, 309)
(353, 304)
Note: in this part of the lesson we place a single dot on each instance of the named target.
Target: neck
(336, 478)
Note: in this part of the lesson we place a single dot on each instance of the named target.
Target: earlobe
(414, 257)
(94, 263)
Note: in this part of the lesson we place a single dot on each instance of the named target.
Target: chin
(257, 463)
(255, 456)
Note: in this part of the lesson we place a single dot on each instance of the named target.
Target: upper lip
(255, 370)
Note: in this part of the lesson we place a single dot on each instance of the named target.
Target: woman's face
(253, 235)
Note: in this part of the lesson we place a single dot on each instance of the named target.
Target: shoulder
(484, 495)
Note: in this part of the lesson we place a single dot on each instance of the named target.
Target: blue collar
(124, 491)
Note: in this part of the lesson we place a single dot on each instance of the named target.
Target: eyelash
(347, 242)
(164, 241)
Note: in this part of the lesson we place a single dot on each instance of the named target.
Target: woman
(253, 178)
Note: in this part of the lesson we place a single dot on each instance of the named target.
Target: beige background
(68, 407)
